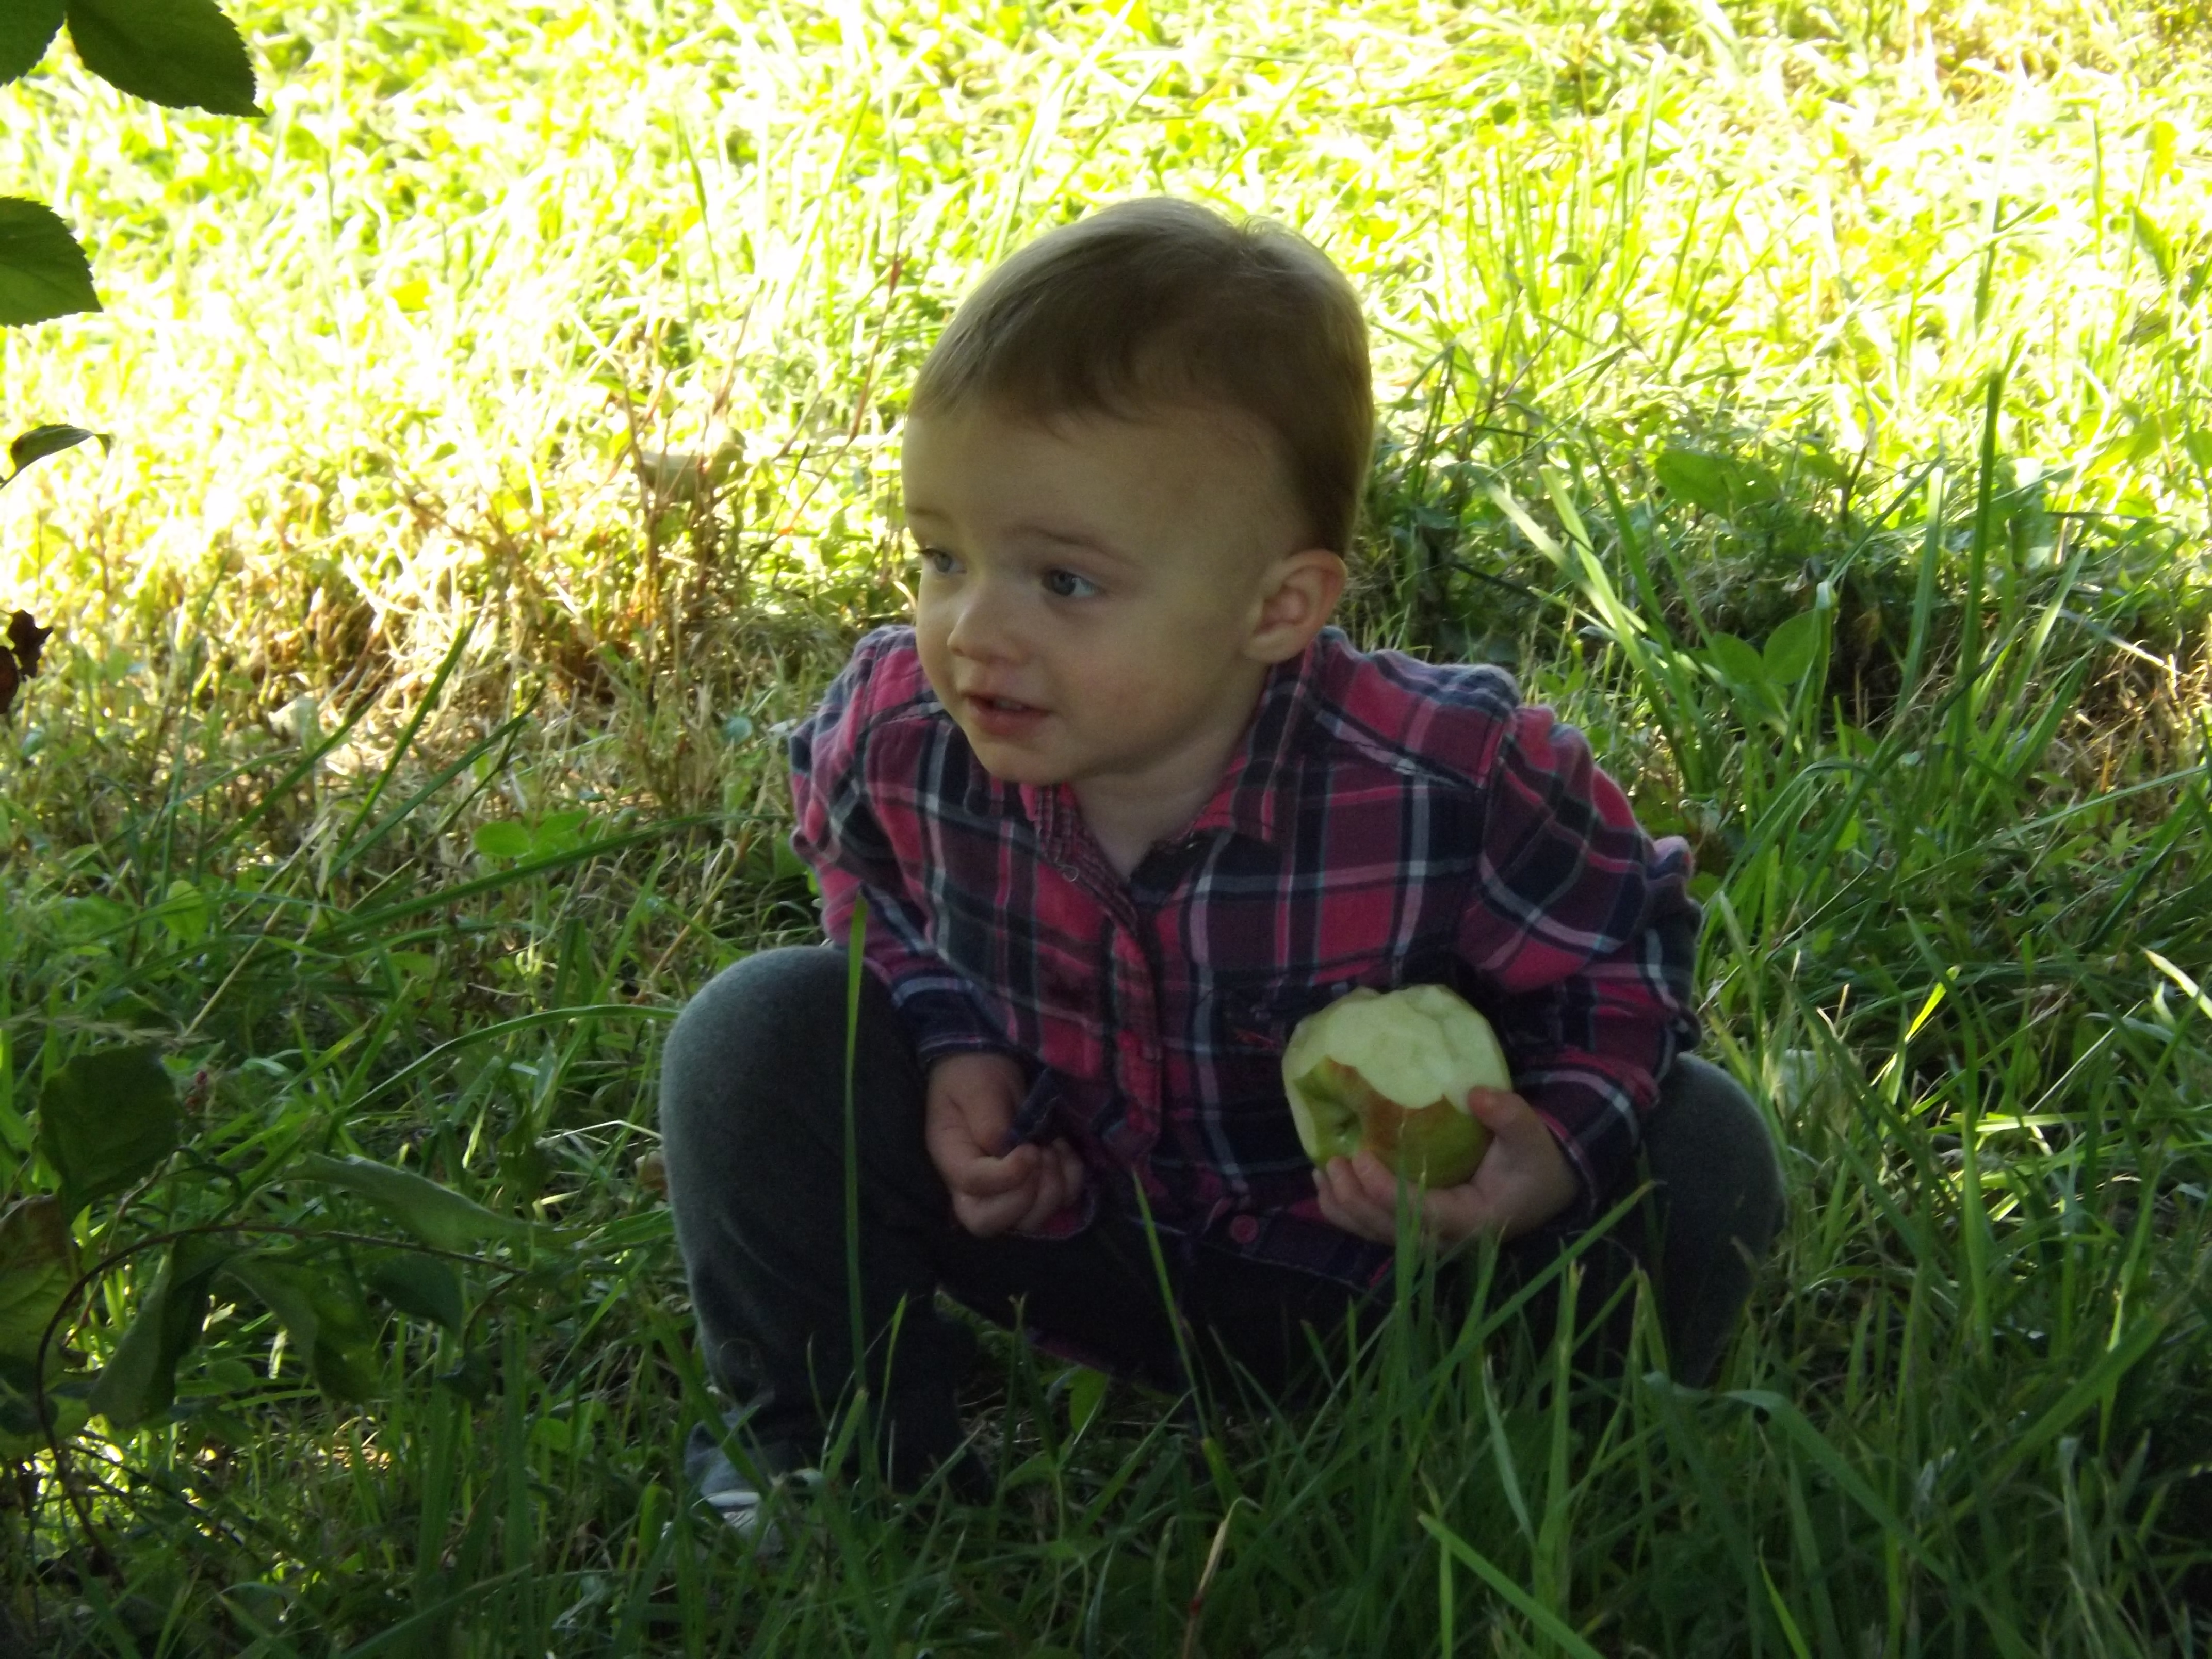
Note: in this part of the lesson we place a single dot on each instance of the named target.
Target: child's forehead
(1110, 476)
(1226, 434)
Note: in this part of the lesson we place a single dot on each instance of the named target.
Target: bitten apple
(1390, 1072)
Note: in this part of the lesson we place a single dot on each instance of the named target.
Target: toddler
(1124, 808)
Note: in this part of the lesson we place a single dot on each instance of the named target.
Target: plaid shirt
(1388, 822)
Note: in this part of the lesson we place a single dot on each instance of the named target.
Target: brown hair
(1161, 301)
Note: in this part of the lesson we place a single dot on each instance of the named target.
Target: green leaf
(437, 1215)
(223, 1375)
(785, 863)
(42, 272)
(38, 1264)
(413, 964)
(1086, 1393)
(323, 1316)
(471, 1378)
(557, 832)
(41, 441)
(1718, 483)
(1737, 661)
(27, 29)
(140, 1378)
(286, 1289)
(504, 840)
(105, 1119)
(94, 919)
(1694, 477)
(524, 1167)
(185, 912)
(1791, 647)
(2153, 241)
(184, 53)
(22, 1435)
(420, 1286)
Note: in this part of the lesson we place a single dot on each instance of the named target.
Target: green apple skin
(1389, 1073)
(1434, 1146)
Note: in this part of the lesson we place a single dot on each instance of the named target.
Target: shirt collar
(1250, 800)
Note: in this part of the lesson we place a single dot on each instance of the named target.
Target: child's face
(1093, 606)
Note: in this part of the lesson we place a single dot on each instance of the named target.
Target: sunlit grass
(394, 344)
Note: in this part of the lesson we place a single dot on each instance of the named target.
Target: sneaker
(769, 1515)
(752, 1513)
(746, 1508)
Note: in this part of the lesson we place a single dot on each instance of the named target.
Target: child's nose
(984, 628)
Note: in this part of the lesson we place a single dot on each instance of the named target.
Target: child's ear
(1297, 596)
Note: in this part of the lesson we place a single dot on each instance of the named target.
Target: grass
(1692, 321)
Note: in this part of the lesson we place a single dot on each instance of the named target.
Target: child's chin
(1009, 765)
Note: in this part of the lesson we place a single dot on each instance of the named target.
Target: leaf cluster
(185, 54)
(108, 1122)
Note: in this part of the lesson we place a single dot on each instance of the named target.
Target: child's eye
(1066, 585)
(936, 559)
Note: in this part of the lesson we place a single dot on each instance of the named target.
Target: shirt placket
(1135, 1015)
(1129, 1005)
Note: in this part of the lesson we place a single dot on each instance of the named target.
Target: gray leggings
(752, 1112)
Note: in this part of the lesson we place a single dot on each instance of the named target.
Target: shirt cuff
(944, 1022)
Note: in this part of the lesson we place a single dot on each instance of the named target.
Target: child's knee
(754, 1069)
(1711, 1146)
(739, 1027)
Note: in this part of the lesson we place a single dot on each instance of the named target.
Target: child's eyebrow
(923, 520)
(1075, 538)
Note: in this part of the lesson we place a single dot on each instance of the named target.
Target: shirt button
(1244, 1230)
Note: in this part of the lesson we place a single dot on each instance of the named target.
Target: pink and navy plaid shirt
(1388, 822)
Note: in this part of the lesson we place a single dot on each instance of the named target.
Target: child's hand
(1522, 1181)
(972, 1100)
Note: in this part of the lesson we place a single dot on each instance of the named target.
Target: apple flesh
(1389, 1073)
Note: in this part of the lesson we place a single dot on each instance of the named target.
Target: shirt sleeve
(844, 832)
(1584, 926)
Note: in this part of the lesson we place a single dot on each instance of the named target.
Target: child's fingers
(1457, 1213)
(1525, 1178)
(1348, 1199)
(987, 1217)
(1023, 1190)
(1332, 1211)
(1043, 1196)
(1357, 1221)
(957, 1137)
(1361, 1196)
(1060, 1181)
(1021, 1204)
(1501, 1111)
(1376, 1182)
(983, 1176)
(1053, 1190)
(967, 1111)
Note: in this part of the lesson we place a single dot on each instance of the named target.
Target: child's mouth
(1003, 717)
